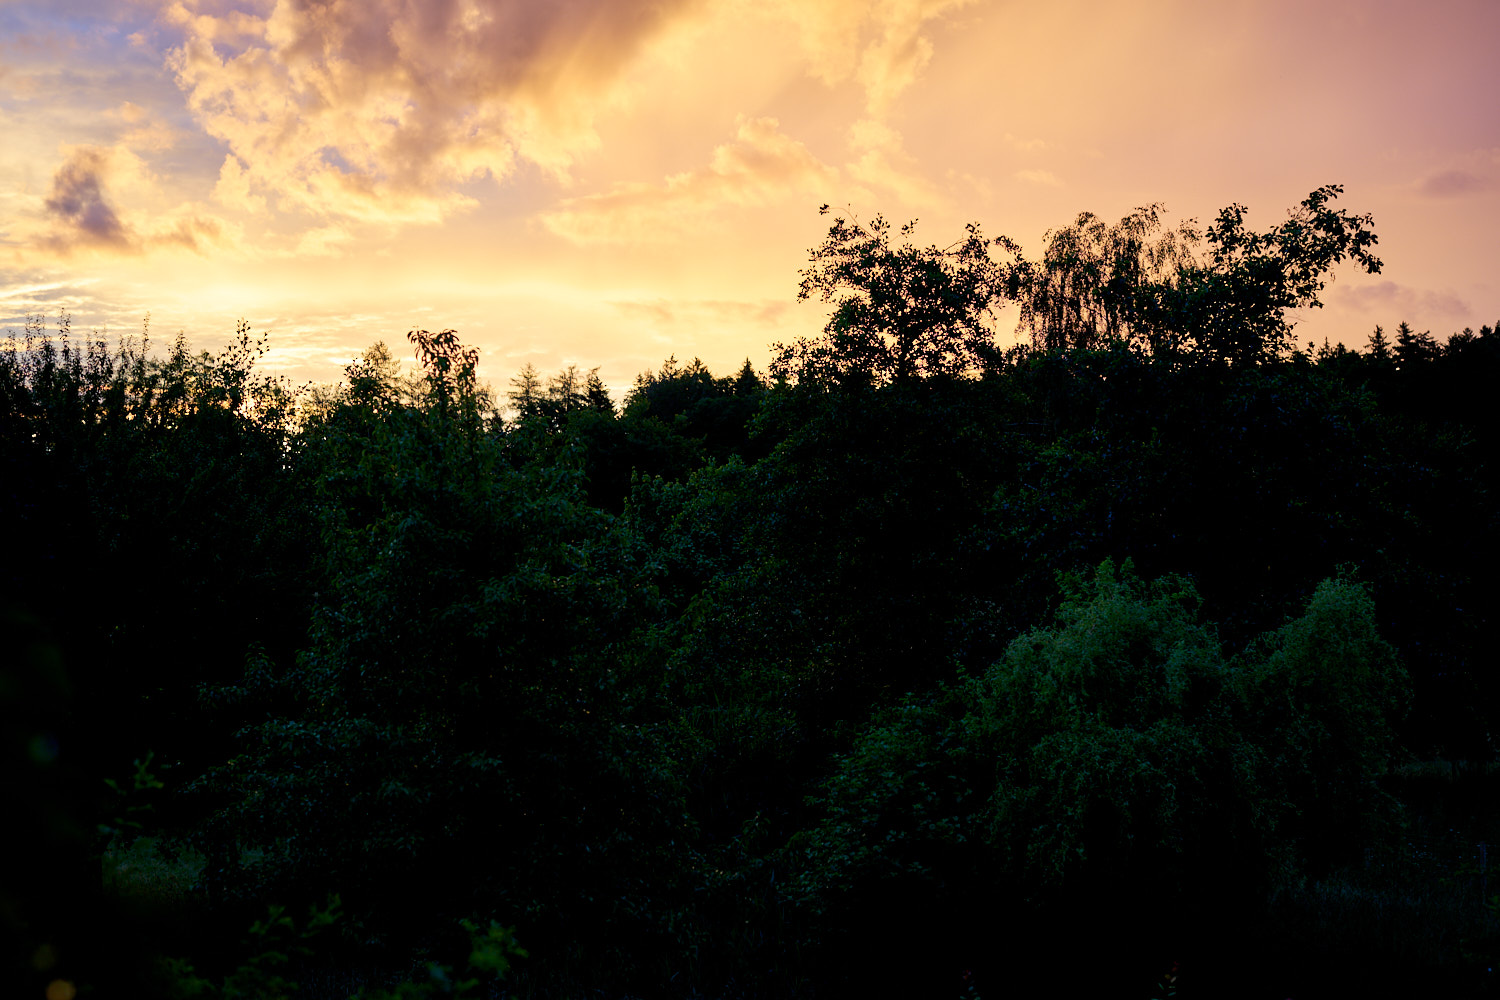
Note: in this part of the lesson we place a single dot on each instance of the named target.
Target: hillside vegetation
(910, 665)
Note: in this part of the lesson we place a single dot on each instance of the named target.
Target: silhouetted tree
(1414, 349)
(596, 393)
(1233, 306)
(747, 382)
(566, 392)
(900, 312)
(526, 391)
(449, 365)
(1086, 290)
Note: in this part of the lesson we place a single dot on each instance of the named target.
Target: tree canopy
(900, 671)
(900, 312)
(1218, 295)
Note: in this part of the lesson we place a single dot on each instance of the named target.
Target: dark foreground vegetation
(911, 667)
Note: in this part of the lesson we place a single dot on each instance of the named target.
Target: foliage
(1221, 294)
(899, 312)
(1085, 292)
(465, 678)
(1233, 306)
(132, 807)
(1120, 747)
(492, 951)
(271, 946)
(766, 685)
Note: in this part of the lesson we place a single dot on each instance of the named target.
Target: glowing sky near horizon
(605, 182)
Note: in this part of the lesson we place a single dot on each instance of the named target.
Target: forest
(1145, 658)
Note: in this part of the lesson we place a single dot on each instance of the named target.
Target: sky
(607, 182)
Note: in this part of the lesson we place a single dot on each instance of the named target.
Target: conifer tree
(596, 393)
(1414, 348)
(747, 382)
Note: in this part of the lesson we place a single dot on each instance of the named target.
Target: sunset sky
(605, 182)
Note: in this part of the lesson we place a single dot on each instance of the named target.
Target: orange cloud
(1043, 177)
(1026, 145)
(377, 110)
(233, 189)
(80, 213)
(698, 313)
(325, 241)
(191, 231)
(884, 163)
(148, 132)
(878, 43)
(381, 110)
(893, 62)
(761, 166)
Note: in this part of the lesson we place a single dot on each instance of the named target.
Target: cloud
(192, 231)
(233, 189)
(696, 313)
(80, 214)
(377, 110)
(878, 43)
(90, 301)
(147, 131)
(1026, 145)
(1452, 183)
(28, 291)
(1478, 171)
(761, 166)
(1391, 299)
(884, 163)
(1043, 177)
(894, 61)
(385, 111)
(325, 241)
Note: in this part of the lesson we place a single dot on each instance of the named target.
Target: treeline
(911, 664)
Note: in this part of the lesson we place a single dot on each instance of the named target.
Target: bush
(1120, 747)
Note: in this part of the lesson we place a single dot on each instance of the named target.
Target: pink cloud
(1401, 301)
(1453, 183)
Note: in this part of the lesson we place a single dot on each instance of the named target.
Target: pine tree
(596, 393)
(1414, 348)
(747, 382)
(565, 391)
(526, 390)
